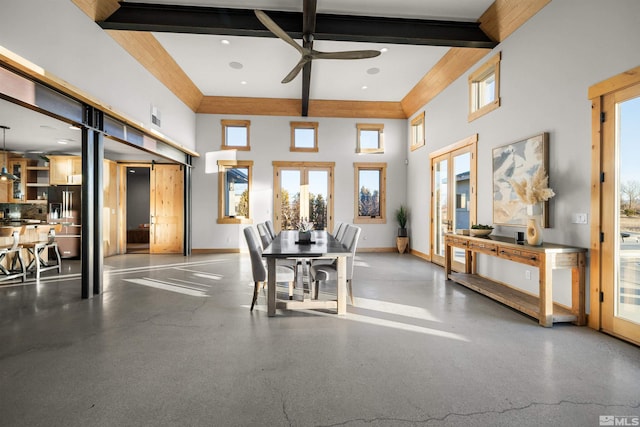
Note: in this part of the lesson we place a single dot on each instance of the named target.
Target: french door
(453, 196)
(620, 214)
(303, 190)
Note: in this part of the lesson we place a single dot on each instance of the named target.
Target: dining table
(322, 245)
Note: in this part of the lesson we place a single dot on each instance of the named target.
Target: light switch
(579, 218)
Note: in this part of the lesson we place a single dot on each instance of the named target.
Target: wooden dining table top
(324, 245)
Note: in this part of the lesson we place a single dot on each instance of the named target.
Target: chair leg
(256, 285)
(316, 285)
(350, 291)
(291, 290)
(55, 249)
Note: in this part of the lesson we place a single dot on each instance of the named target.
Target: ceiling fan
(309, 54)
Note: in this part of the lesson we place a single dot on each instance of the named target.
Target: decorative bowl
(480, 232)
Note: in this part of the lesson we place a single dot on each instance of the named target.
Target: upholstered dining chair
(270, 228)
(265, 236)
(340, 233)
(336, 228)
(324, 272)
(283, 273)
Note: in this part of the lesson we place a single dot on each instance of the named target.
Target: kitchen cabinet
(37, 182)
(65, 170)
(18, 188)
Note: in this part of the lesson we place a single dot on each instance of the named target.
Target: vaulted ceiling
(218, 58)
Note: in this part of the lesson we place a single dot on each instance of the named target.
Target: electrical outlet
(527, 274)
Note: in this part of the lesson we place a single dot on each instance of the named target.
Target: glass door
(452, 199)
(303, 191)
(621, 200)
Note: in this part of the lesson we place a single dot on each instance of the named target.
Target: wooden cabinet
(65, 170)
(18, 188)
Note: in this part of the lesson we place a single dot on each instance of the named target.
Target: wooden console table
(546, 258)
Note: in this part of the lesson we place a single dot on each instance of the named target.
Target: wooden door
(453, 196)
(620, 214)
(166, 233)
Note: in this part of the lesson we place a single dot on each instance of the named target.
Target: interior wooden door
(166, 231)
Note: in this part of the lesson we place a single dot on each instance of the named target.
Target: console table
(546, 258)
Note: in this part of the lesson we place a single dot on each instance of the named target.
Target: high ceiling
(245, 66)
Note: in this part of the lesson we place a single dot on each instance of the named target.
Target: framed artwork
(517, 161)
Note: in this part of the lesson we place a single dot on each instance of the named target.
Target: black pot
(402, 232)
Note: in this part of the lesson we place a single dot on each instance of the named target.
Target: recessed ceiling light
(47, 127)
(63, 141)
(243, 82)
(384, 49)
(364, 88)
(373, 70)
(225, 41)
(236, 65)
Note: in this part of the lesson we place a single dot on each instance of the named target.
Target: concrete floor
(414, 351)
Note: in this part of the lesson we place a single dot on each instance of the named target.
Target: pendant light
(4, 173)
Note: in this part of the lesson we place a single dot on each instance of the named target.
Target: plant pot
(402, 243)
(402, 232)
(304, 237)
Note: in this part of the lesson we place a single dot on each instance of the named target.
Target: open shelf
(511, 297)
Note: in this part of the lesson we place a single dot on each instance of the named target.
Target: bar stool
(37, 249)
(12, 254)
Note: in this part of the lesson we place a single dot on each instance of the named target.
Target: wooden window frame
(235, 123)
(382, 168)
(304, 125)
(417, 121)
(492, 66)
(223, 166)
(368, 127)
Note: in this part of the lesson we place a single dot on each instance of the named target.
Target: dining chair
(340, 233)
(337, 227)
(265, 236)
(270, 228)
(324, 272)
(284, 274)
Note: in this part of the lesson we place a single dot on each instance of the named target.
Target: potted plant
(402, 240)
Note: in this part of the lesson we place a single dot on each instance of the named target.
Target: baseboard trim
(363, 250)
(216, 251)
(419, 254)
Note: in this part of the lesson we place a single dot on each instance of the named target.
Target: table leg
(271, 287)
(342, 285)
(578, 292)
(546, 293)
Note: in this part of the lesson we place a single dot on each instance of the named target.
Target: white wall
(546, 69)
(57, 36)
(270, 140)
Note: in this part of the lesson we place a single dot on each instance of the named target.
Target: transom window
(234, 191)
(417, 132)
(370, 188)
(235, 135)
(304, 136)
(370, 138)
(484, 88)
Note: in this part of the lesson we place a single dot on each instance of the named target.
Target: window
(235, 135)
(417, 131)
(234, 191)
(371, 182)
(370, 138)
(304, 136)
(484, 88)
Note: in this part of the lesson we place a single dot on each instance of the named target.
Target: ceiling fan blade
(275, 29)
(349, 54)
(293, 73)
